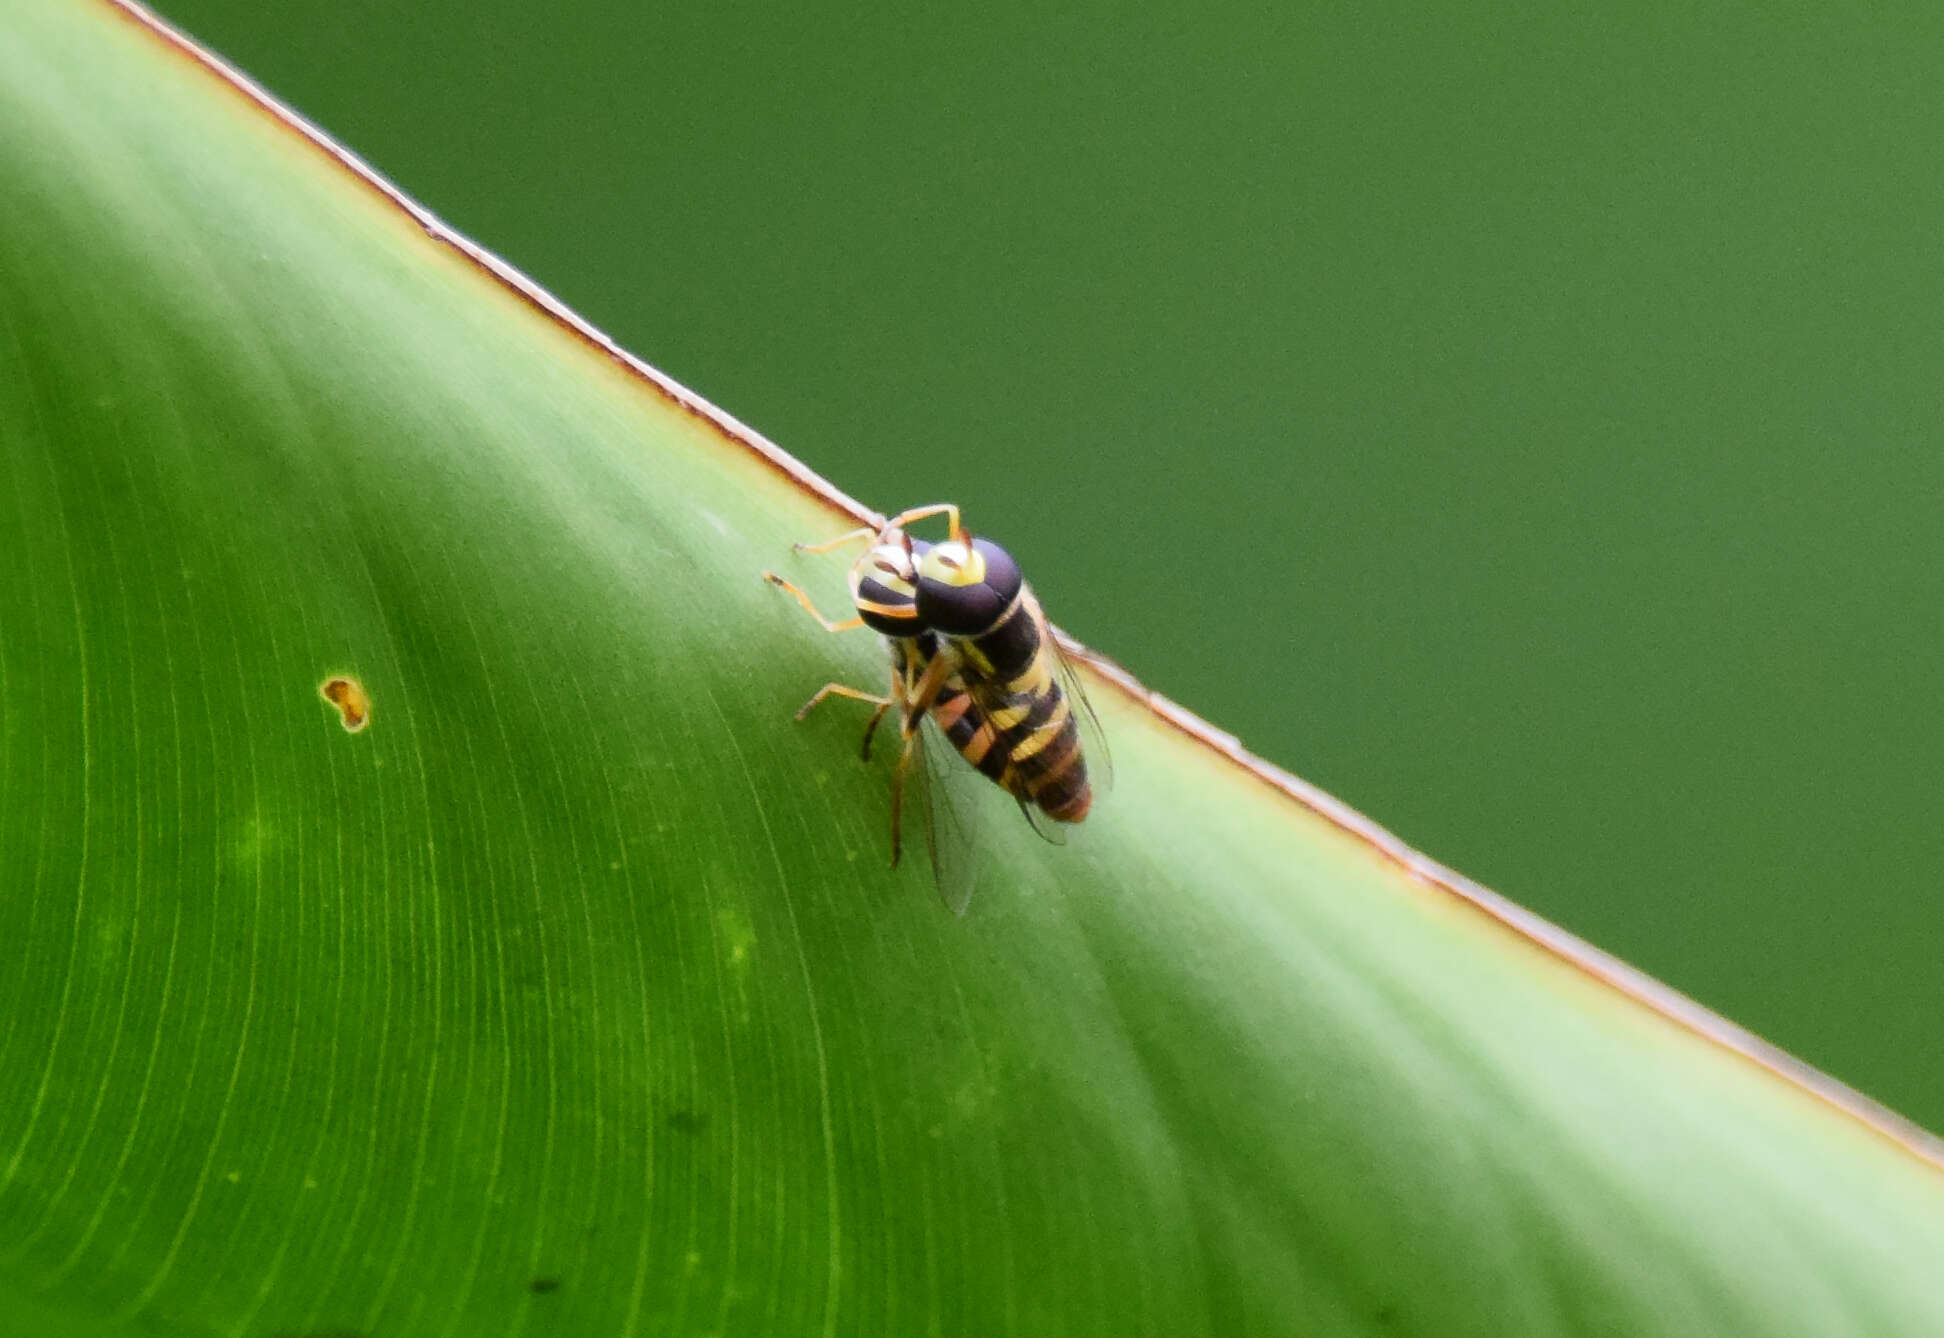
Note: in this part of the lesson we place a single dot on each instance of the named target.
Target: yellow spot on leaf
(352, 701)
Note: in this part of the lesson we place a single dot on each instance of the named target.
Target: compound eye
(963, 588)
(953, 563)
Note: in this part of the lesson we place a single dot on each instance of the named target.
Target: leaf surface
(574, 995)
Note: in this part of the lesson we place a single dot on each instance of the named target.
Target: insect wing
(947, 818)
(1093, 739)
(1054, 833)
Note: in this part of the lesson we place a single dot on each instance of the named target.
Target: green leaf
(574, 995)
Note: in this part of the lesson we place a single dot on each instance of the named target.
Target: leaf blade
(579, 965)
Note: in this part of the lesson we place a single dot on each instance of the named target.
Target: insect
(970, 646)
(971, 594)
(884, 592)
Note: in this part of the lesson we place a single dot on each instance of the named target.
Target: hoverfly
(969, 646)
(971, 594)
(883, 585)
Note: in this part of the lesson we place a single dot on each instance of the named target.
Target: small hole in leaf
(352, 701)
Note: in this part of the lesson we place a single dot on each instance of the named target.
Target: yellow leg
(847, 625)
(897, 522)
(843, 690)
(883, 704)
(904, 518)
(850, 538)
(923, 694)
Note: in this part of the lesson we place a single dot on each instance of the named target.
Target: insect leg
(870, 729)
(923, 694)
(883, 704)
(847, 625)
(849, 538)
(904, 518)
(843, 690)
(897, 804)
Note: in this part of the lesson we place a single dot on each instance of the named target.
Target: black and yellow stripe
(1016, 724)
(970, 646)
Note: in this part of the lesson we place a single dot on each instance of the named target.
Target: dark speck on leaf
(541, 1286)
(684, 1121)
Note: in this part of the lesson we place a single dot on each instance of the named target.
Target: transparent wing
(947, 817)
(1093, 739)
(1054, 833)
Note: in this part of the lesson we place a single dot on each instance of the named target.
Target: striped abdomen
(1012, 720)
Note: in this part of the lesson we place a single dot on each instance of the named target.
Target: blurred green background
(1524, 424)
